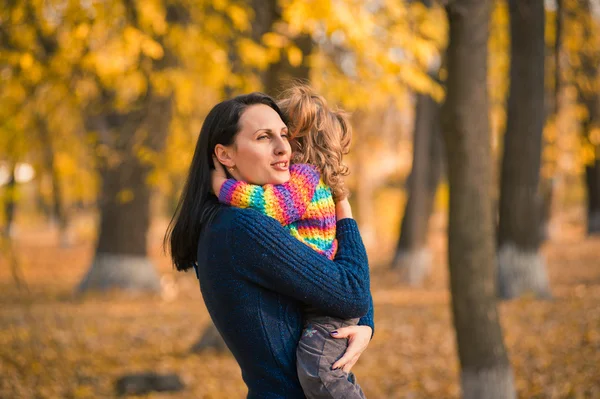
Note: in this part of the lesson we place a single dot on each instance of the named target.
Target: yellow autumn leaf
(294, 55)
(82, 31)
(594, 136)
(274, 40)
(26, 61)
(239, 17)
(252, 53)
(152, 49)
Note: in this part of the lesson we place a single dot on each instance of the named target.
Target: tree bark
(58, 213)
(592, 174)
(413, 258)
(551, 110)
(10, 201)
(280, 74)
(590, 98)
(485, 370)
(522, 267)
(121, 254)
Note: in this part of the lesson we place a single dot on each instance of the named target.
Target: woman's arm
(285, 202)
(272, 258)
(368, 319)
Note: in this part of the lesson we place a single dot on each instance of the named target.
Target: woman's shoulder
(231, 217)
(242, 227)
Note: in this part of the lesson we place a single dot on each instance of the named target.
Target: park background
(100, 108)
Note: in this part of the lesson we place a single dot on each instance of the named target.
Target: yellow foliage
(152, 16)
(239, 16)
(594, 136)
(294, 55)
(26, 61)
(252, 53)
(152, 49)
(587, 153)
(275, 40)
(82, 31)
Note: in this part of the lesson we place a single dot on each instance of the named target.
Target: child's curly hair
(320, 136)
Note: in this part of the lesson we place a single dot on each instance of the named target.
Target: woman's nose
(282, 147)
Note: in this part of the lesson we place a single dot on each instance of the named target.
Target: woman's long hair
(320, 135)
(198, 205)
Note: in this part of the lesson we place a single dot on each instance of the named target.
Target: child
(305, 206)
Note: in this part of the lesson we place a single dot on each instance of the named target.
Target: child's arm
(285, 202)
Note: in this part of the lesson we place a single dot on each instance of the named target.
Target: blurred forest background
(457, 129)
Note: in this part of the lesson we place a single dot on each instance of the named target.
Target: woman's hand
(218, 176)
(358, 340)
(343, 209)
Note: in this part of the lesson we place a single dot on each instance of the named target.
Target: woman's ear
(224, 155)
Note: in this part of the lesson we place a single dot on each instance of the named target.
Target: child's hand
(343, 209)
(218, 176)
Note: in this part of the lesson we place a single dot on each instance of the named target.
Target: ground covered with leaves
(54, 344)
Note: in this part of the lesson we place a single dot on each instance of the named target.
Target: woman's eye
(287, 136)
(262, 137)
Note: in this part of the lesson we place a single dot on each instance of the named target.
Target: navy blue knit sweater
(256, 278)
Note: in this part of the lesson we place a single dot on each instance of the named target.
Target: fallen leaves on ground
(54, 344)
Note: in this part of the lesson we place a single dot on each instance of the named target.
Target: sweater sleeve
(285, 202)
(277, 261)
(368, 319)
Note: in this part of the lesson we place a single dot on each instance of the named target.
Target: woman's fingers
(342, 361)
(348, 366)
(358, 340)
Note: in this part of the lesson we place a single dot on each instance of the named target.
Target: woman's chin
(280, 177)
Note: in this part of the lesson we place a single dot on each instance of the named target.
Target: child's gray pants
(316, 353)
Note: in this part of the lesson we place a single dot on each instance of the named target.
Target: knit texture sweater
(303, 205)
(256, 278)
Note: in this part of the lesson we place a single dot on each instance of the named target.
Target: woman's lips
(281, 166)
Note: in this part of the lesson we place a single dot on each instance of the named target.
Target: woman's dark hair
(198, 205)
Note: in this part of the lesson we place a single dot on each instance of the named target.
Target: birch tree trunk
(413, 258)
(121, 259)
(485, 370)
(522, 267)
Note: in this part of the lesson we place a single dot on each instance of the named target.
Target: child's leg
(316, 353)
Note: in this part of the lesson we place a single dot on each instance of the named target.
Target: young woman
(254, 276)
(304, 205)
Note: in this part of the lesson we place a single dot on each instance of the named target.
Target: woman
(254, 276)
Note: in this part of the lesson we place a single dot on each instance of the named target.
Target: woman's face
(261, 151)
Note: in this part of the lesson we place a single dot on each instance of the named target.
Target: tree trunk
(551, 111)
(58, 209)
(280, 74)
(413, 258)
(592, 171)
(10, 201)
(589, 96)
(362, 196)
(592, 174)
(485, 370)
(121, 259)
(522, 267)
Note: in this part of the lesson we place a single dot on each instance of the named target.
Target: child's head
(320, 136)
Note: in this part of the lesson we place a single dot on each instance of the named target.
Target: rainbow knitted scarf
(304, 205)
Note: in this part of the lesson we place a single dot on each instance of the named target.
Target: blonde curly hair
(320, 135)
